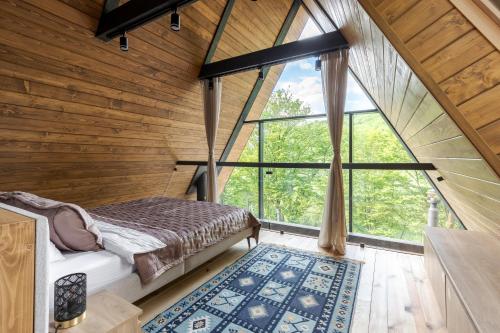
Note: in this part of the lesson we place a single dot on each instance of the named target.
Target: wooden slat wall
(462, 63)
(83, 122)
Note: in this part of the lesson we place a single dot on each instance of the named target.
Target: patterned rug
(270, 289)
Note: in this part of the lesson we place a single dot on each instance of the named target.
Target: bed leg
(249, 245)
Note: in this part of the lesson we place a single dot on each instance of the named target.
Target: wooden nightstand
(107, 313)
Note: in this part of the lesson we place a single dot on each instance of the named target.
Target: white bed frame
(130, 287)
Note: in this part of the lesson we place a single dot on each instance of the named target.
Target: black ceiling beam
(133, 14)
(276, 55)
(293, 165)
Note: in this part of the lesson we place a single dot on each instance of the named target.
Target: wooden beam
(276, 55)
(133, 14)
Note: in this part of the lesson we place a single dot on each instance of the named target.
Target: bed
(146, 243)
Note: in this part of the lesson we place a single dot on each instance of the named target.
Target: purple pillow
(68, 230)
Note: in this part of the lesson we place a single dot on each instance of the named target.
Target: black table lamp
(70, 300)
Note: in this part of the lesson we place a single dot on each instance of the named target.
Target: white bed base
(131, 289)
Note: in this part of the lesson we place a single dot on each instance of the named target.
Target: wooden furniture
(17, 272)
(464, 270)
(107, 313)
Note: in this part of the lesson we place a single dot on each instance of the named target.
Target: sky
(304, 82)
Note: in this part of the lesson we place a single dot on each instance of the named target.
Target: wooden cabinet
(436, 275)
(459, 322)
(464, 270)
(17, 272)
(108, 313)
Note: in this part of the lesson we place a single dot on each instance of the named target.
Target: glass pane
(298, 195)
(356, 99)
(295, 195)
(392, 203)
(293, 96)
(242, 190)
(374, 141)
(302, 141)
(310, 30)
(250, 153)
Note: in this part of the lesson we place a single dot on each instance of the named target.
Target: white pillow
(54, 253)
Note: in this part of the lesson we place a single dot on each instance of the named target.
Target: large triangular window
(292, 129)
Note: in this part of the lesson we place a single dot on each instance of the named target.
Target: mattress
(103, 268)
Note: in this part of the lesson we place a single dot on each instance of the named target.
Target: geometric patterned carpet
(270, 289)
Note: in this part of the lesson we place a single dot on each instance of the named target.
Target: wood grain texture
(108, 313)
(471, 277)
(82, 121)
(439, 90)
(17, 272)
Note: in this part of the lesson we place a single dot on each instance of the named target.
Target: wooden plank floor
(394, 292)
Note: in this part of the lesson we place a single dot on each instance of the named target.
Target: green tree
(385, 203)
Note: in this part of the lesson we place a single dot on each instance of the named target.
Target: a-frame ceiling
(436, 77)
(83, 122)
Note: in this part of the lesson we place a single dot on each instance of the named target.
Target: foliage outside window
(390, 203)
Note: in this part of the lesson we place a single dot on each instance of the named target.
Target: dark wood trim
(134, 14)
(276, 55)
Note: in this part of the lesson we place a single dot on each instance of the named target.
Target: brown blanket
(186, 227)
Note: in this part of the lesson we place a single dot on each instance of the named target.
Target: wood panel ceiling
(436, 78)
(83, 122)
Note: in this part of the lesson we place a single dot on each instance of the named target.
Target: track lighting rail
(118, 19)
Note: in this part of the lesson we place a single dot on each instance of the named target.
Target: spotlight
(261, 74)
(175, 21)
(124, 42)
(317, 65)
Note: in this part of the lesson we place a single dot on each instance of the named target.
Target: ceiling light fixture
(175, 21)
(317, 65)
(124, 42)
(261, 74)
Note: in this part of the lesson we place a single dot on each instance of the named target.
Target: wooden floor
(394, 293)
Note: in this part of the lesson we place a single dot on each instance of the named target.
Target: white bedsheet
(103, 268)
(126, 242)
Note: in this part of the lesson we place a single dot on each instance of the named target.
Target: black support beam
(133, 14)
(276, 55)
(347, 166)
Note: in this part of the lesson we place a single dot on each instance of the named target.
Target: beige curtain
(212, 94)
(334, 76)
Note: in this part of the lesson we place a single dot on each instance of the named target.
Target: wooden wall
(436, 78)
(83, 122)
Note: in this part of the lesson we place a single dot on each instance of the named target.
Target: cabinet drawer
(436, 275)
(459, 321)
